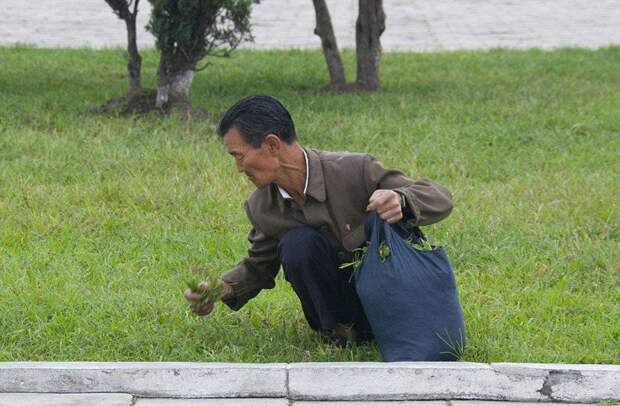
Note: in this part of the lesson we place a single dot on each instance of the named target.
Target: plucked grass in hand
(213, 292)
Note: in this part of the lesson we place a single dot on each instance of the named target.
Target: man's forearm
(428, 201)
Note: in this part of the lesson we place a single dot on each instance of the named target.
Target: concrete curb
(320, 381)
(438, 380)
(72, 399)
(147, 379)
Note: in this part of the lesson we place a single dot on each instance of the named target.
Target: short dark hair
(257, 116)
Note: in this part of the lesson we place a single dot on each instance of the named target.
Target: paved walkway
(423, 25)
(119, 399)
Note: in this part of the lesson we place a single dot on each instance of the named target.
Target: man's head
(257, 116)
(256, 130)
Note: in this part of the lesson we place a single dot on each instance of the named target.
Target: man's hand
(195, 299)
(387, 205)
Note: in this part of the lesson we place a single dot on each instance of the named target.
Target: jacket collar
(316, 181)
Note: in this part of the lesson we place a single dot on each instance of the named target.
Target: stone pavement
(119, 399)
(421, 25)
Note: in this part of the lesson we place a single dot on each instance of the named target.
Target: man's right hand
(195, 298)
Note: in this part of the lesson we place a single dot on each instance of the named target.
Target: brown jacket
(339, 187)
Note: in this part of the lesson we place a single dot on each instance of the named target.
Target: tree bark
(368, 29)
(135, 61)
(173, 84)
(325, 31)
(121, 9)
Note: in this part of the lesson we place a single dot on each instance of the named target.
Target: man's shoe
(337, 341)
(342, 334)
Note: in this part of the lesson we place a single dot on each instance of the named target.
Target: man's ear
(273, 143)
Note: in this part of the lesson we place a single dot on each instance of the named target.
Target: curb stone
(147, 379)
(380, 403)
(570, 383)
(213, 402)
(74, 399)
(357, 381)
(496, 403)
(446, 380)
(47, 399)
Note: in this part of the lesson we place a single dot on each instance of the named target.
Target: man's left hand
(387, 205)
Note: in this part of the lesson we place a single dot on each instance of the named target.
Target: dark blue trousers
(327, 293)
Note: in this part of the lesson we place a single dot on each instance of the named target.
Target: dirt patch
(142, 103)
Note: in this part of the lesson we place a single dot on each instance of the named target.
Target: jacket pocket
(354, 238)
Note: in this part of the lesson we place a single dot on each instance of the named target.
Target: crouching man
(308, 213)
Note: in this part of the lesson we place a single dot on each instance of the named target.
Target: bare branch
(135, 7)
(120, 8)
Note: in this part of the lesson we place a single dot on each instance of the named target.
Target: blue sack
(409, 297)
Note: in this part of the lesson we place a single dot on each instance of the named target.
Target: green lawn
(101, 218)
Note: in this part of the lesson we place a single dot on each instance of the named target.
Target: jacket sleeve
(427, 201)
(256, 271)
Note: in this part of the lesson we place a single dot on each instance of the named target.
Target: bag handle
(381, 227)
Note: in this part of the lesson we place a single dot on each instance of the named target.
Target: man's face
(260, 165)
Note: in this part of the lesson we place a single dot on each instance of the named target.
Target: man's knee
(299, 245)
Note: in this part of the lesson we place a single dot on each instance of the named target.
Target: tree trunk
(173, 84)
(325, 31)
(368, 29)
(135, 61)
(121, 9)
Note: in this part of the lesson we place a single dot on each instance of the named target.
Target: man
(308, 213)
